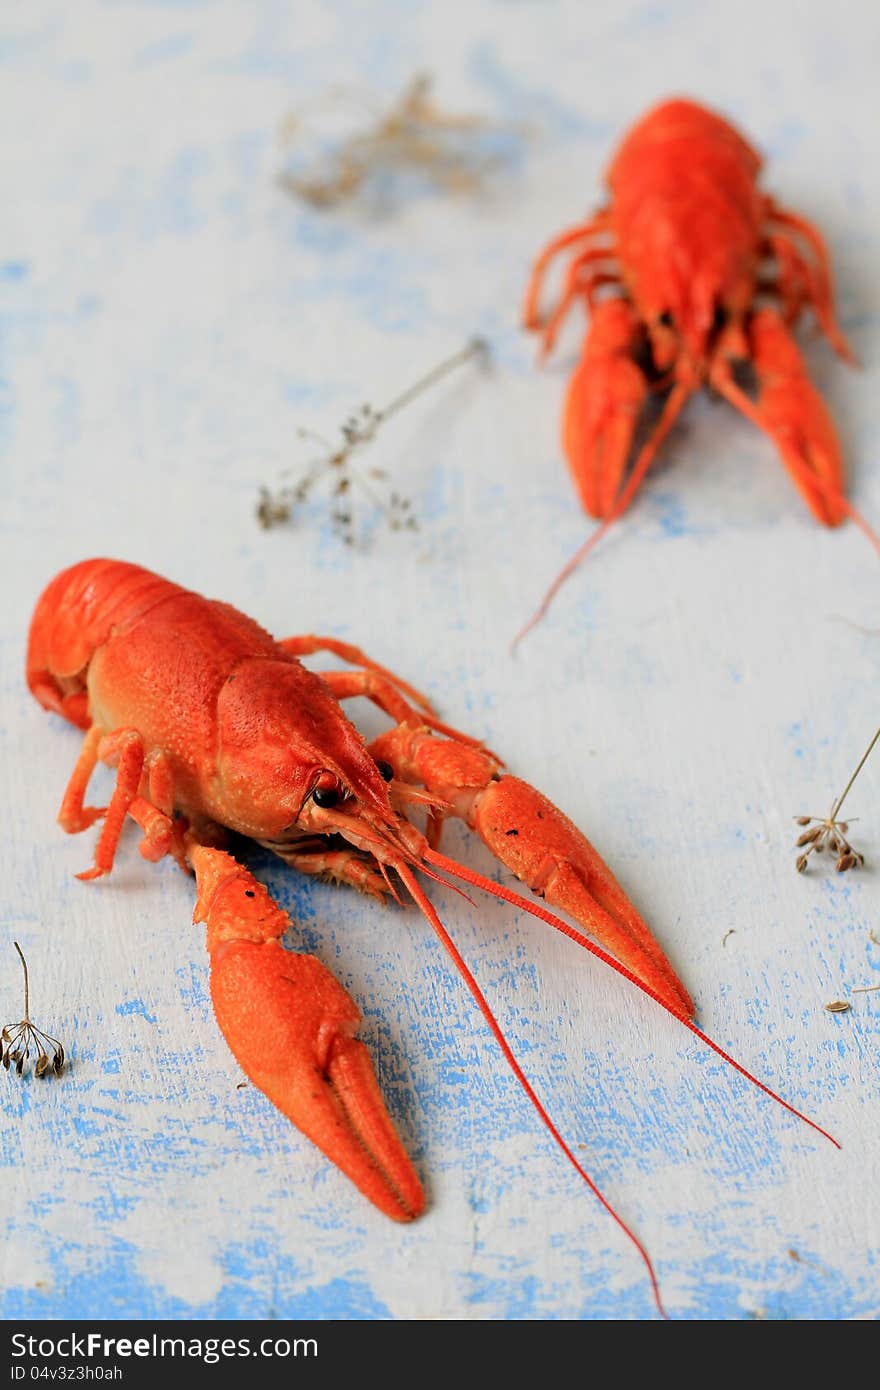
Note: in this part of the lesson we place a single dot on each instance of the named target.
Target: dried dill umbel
(335, 469)
(823, 833)
(21, 1043)
(411, 136)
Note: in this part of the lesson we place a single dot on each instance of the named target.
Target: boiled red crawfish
(692, 277)
(213, 726)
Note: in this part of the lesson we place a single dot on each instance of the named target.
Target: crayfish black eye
(720, 317)
(666, 319)
(326, 791)
(325, 796)
(385, 770)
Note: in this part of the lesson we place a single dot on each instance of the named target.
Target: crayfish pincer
(212, 726)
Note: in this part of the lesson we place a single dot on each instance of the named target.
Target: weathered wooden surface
(170, 318)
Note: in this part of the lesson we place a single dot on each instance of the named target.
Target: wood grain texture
(170, 318)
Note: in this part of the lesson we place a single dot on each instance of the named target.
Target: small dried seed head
(24, 1041)
(801, 863)
(838, 1006)
(809, 836)
(804, 820)
(846, 861)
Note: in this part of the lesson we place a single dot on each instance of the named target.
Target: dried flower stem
(845, 793)
(17, 1039)
(27, 988)
(476, 348)
(827, 832)
(359, 429)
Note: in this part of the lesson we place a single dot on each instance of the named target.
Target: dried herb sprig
(361, 427)
(413, 135)
(827, 832)
(19, 1040)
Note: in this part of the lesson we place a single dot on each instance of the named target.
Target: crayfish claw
(793, 414)
(603, 405)
(547, 852)
(291, 1025)
(541, 846)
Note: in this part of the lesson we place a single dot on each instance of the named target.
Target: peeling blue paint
(135, 1006)
(167, 310)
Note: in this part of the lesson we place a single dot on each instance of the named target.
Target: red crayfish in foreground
(214, 726)
(691, 275)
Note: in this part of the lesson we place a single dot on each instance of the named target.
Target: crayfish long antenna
(538, 910)
(495, 1028)
(737, 1066)
(565, 573)
(671, 410)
